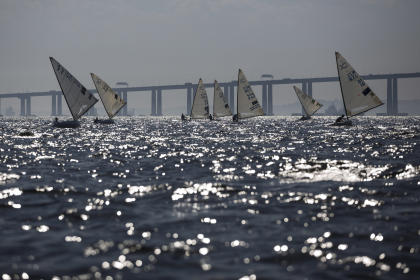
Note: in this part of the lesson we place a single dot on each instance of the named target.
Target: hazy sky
(154, 42)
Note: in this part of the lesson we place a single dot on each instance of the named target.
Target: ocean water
(157, 198)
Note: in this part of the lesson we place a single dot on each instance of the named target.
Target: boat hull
(304, 118)
(343, 123)
(66, 124)
(106, 121)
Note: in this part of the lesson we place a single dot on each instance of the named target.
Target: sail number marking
(249, 93)
(354, 76)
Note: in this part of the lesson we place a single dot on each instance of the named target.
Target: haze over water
(268, 198)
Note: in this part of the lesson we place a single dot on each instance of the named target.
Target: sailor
(235, 117)
(210, 117)
(339, 119)
(55, 120)
(183, 117)
(96, 120)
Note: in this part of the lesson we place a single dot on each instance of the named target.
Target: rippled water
(268, 198)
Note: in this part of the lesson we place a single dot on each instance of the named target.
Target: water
(269, 198)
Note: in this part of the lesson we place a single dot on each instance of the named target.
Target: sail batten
(310, 105)
(112, 101)
(247, 103)
(78, 98)
(358, 97)
(200, 106)
(220, 106)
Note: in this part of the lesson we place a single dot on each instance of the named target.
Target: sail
(309, 104)
(247, 102)
(112, 101)
(357, 95)
(78, 98)
(200, 107)
(220, 105)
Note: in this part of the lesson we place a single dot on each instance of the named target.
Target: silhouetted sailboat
(357, 95)
(112, 101)
(200, 106)
(310, 105)
(247, 103)
(78, 98)
(220, 105)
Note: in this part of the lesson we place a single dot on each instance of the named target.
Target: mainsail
(357, 95)
(309, 104)
(78, 98)
(220, 105)
(200, 106)
(112, 101)
(247, 102)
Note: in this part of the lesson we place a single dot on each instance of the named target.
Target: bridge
(229, 91)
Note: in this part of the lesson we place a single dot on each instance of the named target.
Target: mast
(341, 88)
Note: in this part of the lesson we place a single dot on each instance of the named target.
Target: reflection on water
(270, 197)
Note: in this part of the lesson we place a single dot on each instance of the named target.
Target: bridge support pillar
(270, 99)
(309, 86)
(264, 98)
(153, 109)
(389, 103)
(159, 102)
(22, 106)
(28, 105)
(395, 96)
(392, 96)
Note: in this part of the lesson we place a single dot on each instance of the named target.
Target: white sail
(310, 105)
(247, 102)
(78, 98)
(220, 105)
(200, 106)
(357, 95)
(112, 101)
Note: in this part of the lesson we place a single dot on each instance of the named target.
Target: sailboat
(357, 95)
(200, 106)
(112, 101)
(78, 98)
(246, 101)
(309, 105)
(220, 105)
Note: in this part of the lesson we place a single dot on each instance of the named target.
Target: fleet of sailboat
(309, 105)
(357, 97)
(78, 98)
(112, 101)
